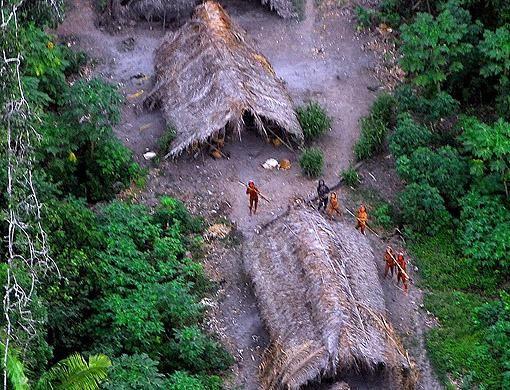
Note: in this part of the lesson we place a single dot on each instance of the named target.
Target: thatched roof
(319, 296)
(208, 75)
(120, 11)
(161, 9)
(287, 8)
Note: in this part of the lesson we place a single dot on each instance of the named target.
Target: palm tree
(75, 373)
(71, 373)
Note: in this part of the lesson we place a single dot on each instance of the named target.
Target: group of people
(399, 263)
(329, 203)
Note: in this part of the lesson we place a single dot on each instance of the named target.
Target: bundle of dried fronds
(209, 75)
(319, 295)
(217, 230)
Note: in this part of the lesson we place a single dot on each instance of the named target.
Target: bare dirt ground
(320, 58)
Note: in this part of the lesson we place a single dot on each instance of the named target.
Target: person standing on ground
(362, 219)
(322, 191)
(333, 206)
(389, 258)
(401, 270)
(254, 196)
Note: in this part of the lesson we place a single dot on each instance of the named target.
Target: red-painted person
(362, 219)
(401, 270)
(389, 258)
(254, 196)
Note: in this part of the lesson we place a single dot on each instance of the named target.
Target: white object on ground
(271, 163)
(149, 155)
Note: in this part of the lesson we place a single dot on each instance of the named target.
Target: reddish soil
(320, 58)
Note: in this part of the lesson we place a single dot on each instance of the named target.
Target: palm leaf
(15, 370)
(74, 373)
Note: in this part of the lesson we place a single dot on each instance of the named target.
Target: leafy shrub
(423, 209)
(314, 120)
(198, 352)
(312, 162)
(181, 380)
(408, 136)
(384, 109)
(129, 284)
(433, 48)
(135, 372)
(441, 266)
(41, 14)
(79, 150)
(373, 133)
(375, 126)
(489, 147)
(383, 215)
(495, 49)
(364, 17)
(483, 232)
(75, 59)
(172, 211)
(443, 169)
(166, 140)
(350, 176)
(43, 60)
(389, 13)
(495, 316)
(457, 347)
(94, 105)
(438, 105)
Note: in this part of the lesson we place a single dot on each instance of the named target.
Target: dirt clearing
(320, 58)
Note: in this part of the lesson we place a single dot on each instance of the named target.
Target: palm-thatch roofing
(161, 9)
(286, 8)
(121, 11)
(208, 75)
(319, 296)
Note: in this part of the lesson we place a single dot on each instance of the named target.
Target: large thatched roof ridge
(208, 74)
(320, 298)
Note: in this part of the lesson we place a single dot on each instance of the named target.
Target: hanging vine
(26, 256)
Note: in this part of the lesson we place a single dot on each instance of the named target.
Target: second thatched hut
(319, 296)
(209, 77)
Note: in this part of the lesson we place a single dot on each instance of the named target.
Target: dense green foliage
(131, 284)
(312, 162)
(483, 232)
(433, 48)
(314, 120)
(350, 176)
(442, 168)
(73, 373)
(451, 144)
(408, 136)
(469, 342)
(423, 208)
(374, 127)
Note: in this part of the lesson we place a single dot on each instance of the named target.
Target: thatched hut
(319, 296)
(209, 77)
